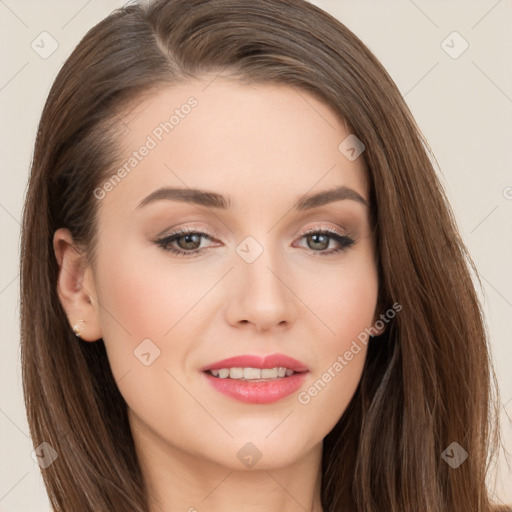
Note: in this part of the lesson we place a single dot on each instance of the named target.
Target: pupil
(190, 241)
(317, 239)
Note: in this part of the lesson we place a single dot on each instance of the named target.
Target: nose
(260, 295)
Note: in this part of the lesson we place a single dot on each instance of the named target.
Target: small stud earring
(78, 327)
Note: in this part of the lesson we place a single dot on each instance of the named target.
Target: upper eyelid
(200, 231)
(324, 228)
(186, 231)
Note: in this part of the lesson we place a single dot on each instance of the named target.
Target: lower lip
(263, 392)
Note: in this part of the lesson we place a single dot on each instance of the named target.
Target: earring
(78, 328)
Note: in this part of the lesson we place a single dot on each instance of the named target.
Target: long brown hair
(428, 379)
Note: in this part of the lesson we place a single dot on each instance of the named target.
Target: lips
(257, 392)
(257, 361)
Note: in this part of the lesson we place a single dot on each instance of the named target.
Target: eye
(319, 240)
(187, 240)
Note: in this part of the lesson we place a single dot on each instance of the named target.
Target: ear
(75, 286)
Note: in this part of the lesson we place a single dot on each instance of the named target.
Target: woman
(242, 284)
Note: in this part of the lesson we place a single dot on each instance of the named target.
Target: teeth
(252, 373)
(248, 373)
(236, 373)
(269, 373)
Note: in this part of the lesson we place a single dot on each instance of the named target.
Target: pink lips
(258, 392)
(255, 361)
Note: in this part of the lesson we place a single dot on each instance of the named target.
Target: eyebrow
(215, 200)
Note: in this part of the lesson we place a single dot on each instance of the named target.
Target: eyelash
(344, 241)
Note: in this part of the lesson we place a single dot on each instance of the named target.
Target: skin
(265, 146)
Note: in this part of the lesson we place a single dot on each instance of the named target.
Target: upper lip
(258, 361)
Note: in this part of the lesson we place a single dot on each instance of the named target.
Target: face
(259, 270)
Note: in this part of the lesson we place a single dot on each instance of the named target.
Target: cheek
(345, 303)
(142, 299)
(140, 302)
(344, 299)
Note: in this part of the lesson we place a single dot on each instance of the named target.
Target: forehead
(238, 139)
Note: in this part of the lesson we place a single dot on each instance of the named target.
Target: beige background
(463, 105)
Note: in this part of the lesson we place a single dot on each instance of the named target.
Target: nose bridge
(260, 294)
